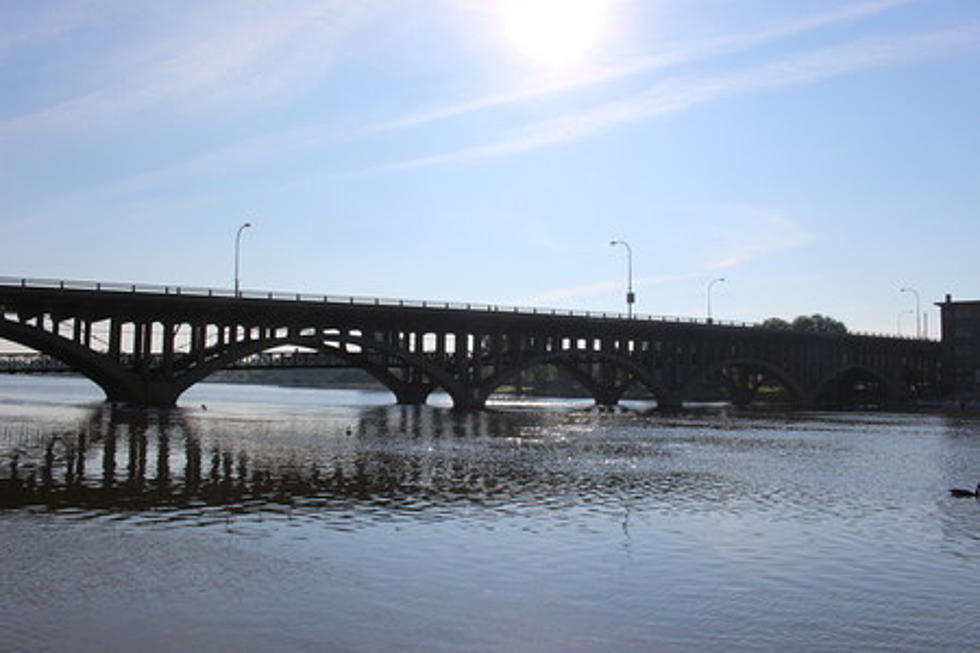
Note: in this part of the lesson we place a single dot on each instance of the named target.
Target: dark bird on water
(960, 492)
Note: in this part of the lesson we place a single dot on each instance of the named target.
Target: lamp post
(710, 284)
(238, 246)
(630, 295)
(918, 331)
(902, 314)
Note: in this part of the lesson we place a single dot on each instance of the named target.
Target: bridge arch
(155, 341)
(115, 380)
(602, 392)
(843, 387)
(744, 395)
(404, 391)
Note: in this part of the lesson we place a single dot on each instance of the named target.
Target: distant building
(961, 347)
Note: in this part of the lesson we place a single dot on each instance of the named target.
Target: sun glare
(554, 32)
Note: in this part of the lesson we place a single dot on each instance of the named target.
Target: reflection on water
(384, 461)
(390, 457)
(336, 518)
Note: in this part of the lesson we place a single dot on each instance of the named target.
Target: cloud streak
(752, 233)
(674, 95)
(226, 63)
(22, 28)
(698, 51)
(243, 153)
(747, 234)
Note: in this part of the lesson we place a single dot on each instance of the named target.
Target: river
(258, 518)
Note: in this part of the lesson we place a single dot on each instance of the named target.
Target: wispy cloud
(750, 233)
(673, 95)
(746, 234)
(27, 23)
(311, 136)
(225, 160)
(226, 63)
(684, 54)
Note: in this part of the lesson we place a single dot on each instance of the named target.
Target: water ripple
(574, 529)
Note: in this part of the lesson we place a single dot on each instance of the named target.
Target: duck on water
(960, 492)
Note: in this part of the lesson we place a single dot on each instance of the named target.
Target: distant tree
(815, 323)
(818, 323)
(776, 323)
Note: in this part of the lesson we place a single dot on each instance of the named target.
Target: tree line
(815, 323)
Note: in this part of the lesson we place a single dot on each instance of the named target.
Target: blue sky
(819, 155)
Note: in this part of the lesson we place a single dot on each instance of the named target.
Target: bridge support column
(167, 364)
(470, 398)
(138, 332)
(412, 394)
(145, 393)
(115, 338)
(607, 395)
(159, 393)
(741, 396)
(741, 385)
(806, 402)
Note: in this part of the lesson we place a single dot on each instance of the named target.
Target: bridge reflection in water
(399, 457)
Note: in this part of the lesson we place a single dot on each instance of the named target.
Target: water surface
(260, 518)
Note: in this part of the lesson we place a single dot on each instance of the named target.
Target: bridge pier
(145, 393)
(607, 395)
(468, 398)
(411, 394)
(670, 404)
(741, 384)
(160, 393)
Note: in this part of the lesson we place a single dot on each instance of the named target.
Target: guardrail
(192, 291)
(156, 289)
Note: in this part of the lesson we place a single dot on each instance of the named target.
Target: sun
(553, 32)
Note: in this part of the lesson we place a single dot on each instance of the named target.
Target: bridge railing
(156, 289)
(194, 291)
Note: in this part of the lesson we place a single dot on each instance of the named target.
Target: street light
(710, 284)
(238, 245)
(918, 332)
(630, 295)
(902, 314)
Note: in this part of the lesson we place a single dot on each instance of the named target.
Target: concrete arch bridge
(145, 345)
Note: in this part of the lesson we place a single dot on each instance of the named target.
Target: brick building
(961, 347)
